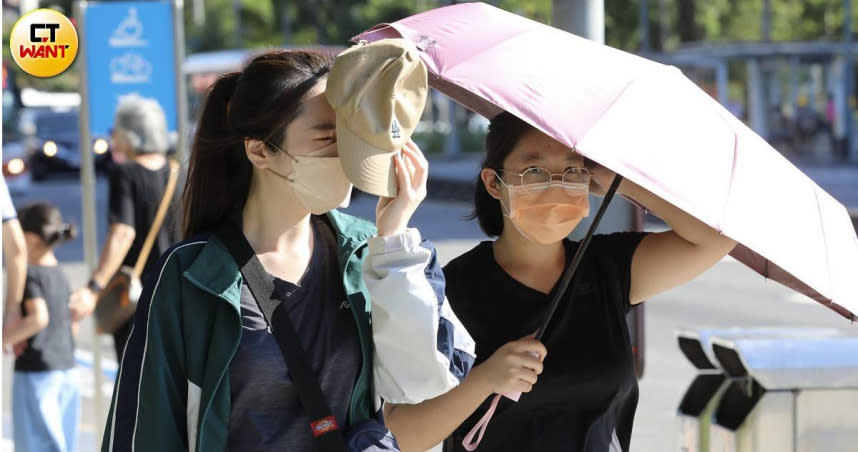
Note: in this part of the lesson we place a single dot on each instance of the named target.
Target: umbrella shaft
(579, 255)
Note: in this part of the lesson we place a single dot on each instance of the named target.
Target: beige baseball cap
(378, 91)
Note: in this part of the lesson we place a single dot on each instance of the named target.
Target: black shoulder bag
(369, 436)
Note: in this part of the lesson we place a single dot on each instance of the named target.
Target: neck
(43, 256)
(272, 220)
(513, 250)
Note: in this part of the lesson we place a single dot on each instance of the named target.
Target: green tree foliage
(723, 21)
(271, 23)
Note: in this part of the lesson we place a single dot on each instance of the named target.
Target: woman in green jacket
(201, 370)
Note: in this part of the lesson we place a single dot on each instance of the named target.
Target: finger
(528, 361)
(402, 176)
(530, 345)
(418, 153)
(420, 165)
(526, 375)
(521, 360)
(413, 168)
(408, 160)
(531, 335)
(383, 201)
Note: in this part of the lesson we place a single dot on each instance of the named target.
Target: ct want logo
(43, 43)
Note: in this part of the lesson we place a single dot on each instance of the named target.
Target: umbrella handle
(579, 255)
(480, 427)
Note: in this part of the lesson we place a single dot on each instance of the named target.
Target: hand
(512, 368)
(601, 180)
(18, 349)
(10, 323)
(82, 303)
(412, 170)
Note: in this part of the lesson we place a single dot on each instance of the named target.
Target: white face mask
(319, 181)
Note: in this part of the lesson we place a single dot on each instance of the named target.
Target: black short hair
(505, 130)
(46, 221)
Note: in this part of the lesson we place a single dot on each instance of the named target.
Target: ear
(257, 153)
(490, 181)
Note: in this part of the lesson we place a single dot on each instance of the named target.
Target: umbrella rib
(482, 51)
(730, 185)
(661, 67)
(824, 242)
(604, 112)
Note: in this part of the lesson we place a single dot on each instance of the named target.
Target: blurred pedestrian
(45, 395)
(531, 193)
(15, 258)
(136, 188)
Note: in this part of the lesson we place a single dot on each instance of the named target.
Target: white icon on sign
(130, 68)
(129, 32)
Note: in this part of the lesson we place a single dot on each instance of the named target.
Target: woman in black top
(532, 193)
(137, 184)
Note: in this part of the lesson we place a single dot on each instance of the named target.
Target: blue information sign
(129, 50)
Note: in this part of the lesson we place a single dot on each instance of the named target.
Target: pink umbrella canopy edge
(490, 108)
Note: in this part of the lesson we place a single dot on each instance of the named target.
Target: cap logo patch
(395, 131)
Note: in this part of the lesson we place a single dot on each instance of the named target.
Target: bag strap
(159, 218)
(323, 423)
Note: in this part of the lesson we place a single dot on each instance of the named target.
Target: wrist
(391, 233)
(478, 382)
(387, 232)
(94, 287)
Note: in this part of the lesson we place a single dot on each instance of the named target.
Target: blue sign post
(126, 48)
(130, 49)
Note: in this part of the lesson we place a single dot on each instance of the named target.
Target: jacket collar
(215, 272)
(352, 232)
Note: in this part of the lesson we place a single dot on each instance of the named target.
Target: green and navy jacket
(173, 388)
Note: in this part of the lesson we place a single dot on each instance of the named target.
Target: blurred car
(16, 170)
(53, 143)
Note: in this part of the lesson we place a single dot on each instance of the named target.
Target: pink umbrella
(649, 123)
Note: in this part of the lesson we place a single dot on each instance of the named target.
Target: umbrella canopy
(649, 123)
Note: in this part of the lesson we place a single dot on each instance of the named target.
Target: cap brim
(370, 169)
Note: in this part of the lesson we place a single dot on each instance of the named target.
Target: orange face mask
(546, 215)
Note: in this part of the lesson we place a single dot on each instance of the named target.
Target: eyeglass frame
(535, 187)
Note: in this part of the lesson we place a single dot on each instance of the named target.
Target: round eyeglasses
(538, 178)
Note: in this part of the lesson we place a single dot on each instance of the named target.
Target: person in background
(136, 188)
(45, 395)
(15, 258)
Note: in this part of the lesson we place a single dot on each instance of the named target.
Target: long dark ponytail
(256, 103)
